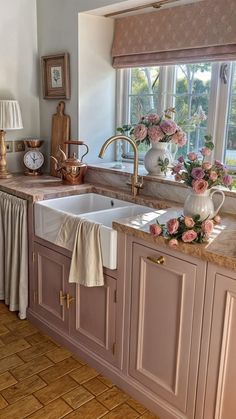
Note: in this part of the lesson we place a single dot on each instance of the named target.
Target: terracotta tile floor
(40, 379)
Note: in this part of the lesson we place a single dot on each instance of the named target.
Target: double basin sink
(50, 214)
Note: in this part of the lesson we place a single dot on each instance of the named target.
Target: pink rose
(207, 227)
(205, 151)
(155, 229)
(173, 243)
(153, 118)
(206, 166)
(227, 180)
(213, 175)
(219, 165)
(189, 236)
(200, 186)
(155, 133)
(217, 219)
(172, 225)
(140, 132)
(192, 156)
(197, 173)
(168, 126)
(177, 168)
(179, 138)
(188, 221)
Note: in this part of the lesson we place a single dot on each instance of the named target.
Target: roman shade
(204, 30)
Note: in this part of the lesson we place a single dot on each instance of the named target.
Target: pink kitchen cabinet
(51, 272)
(219, 335)
(166, 309)
(93, 318)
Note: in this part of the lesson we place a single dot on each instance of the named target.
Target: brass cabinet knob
(62, 297)
(69, 300)
(158, 261)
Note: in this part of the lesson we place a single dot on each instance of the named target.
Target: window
(203, 95)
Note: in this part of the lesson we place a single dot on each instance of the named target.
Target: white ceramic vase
(202, 204)
(151, 159)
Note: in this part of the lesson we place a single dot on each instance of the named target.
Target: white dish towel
(82, 237)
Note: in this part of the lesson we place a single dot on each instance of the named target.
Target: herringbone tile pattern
(41, 380)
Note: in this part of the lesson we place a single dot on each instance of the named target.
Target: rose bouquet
(153, 128)
(185, 229)
(200, 174)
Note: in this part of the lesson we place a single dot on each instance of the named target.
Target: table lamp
(10, 119)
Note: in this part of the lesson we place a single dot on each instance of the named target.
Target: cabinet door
(93, 318)
(51, 272)
(220, 401)
(166, 314)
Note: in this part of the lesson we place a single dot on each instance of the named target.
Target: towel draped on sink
(82, 237)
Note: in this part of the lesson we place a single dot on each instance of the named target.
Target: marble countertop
(221, 248)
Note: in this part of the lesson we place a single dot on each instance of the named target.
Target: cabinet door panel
(93, 320)
(220, 392)
(162, 324)
(51, 271)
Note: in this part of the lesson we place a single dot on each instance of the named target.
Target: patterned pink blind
(203, 30)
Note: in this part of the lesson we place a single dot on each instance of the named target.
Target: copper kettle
(72, 169)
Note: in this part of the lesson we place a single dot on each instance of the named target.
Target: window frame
(219, 100)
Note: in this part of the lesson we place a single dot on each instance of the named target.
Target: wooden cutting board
(60, 133)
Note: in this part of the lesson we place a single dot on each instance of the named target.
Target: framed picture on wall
(56, 76)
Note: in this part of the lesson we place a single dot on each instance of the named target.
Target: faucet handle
(138, 184)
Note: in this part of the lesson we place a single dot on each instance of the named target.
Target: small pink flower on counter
(188, 221)
(189, 236)
(172, 225)
(206, 151)
(217, 219)
(155, 229)
(192, 156)
(200, 186)
(207, 227)
(173, 243)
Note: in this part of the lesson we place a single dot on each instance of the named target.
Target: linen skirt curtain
(13, 253)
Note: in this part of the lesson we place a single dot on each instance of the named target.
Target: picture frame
(56, 76)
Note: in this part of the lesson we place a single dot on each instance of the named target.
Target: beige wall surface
(19, 68)
(58, 31)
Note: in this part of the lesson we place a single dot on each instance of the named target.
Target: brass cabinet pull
(62, 297)
(69, 300)
(158, 261)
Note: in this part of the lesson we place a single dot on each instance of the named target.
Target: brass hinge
(115, 296)
(114, 348)
(33, 257)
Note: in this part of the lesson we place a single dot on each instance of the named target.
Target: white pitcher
(202, 204)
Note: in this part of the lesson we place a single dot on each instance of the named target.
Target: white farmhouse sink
(49, 215)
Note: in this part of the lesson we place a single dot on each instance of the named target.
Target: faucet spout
(136, 184)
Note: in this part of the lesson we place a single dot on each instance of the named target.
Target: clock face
(33, 159)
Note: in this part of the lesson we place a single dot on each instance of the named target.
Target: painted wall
(97, 84)
(19, 68)
(58, 31)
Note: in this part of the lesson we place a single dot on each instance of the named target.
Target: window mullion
(221, 111)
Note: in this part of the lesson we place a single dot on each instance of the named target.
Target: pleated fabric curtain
(14, 253)
(201, 31)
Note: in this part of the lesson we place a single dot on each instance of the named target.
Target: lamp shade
(10, 115)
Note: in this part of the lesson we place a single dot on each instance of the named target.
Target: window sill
(127, 170)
